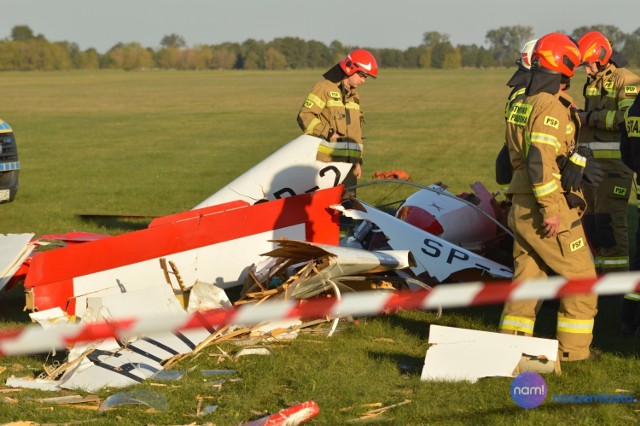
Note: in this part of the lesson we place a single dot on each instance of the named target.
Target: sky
(363, 23)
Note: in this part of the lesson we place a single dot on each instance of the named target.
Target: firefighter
(609, 91)
(630, 152)
(544, 216)
(517, 83)
(332, 111)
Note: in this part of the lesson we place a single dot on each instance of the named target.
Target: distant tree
(390, 58)
(294, 50)
(167, 57)
(506, 42)
(252, 55)
(440, 55)
(414, 57)
(173, 40)
(615, 36)
(319, 55)
(87, 60)
(131, 56)
(196, 58)
(434, 38)
(22, 33)
(631, 49)
(338, 52)
(274, 59)
(452, 60)
(224, 58)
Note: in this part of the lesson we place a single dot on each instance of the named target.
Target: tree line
(26, 51)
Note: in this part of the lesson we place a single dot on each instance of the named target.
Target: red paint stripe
(199, 228)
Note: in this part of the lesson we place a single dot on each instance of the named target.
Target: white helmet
(525, 54)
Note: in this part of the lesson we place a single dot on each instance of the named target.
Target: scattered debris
(153, 400)
(292, 416)
(457, 354)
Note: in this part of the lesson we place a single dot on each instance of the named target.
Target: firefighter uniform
(608, 94)
(542, 127)
(332, 109)
(630, 151)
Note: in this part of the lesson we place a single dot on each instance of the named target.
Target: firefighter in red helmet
(546, 206)
(332, 111)
(609, 92)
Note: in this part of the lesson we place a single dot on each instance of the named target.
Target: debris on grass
(155, 401)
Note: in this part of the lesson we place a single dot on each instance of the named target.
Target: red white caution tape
(34, 339)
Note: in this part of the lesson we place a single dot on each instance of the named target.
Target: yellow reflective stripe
(352, 105)
(613, 262)
(545, 138)
(507, 107)
(605, 153)
(334, 103)
(312, 124)
(635, 297)
(341, 149)
(545, 189)
(514, 323)
(572, 325)
(612, 95)
(316, 100)
(579, 160)
(592, 91)
(625, 104)
(611, 115)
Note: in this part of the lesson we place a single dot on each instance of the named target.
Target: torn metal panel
(14, 250)
(434, 256)
(112, 363)
(332, 262)
(291, 170)
(213, 244)
(457, 354)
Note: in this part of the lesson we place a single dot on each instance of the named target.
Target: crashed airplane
(289, 195)
(272, 232)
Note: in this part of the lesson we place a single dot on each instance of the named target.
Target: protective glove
(572, 171)
(593, 173)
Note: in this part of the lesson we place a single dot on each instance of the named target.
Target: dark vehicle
(9, 164)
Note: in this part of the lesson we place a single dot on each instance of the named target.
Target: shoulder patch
(335, 95)
(519, 114)
(630, 90)
(608, 85)
(551, 122)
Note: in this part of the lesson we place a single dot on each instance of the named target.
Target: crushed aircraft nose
(467, 220)
(437, 260)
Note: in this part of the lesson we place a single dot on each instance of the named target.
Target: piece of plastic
(154, 400)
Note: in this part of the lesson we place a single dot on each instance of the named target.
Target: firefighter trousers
(536, 257)
(605, 221)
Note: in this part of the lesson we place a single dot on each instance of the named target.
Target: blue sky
(366, 23)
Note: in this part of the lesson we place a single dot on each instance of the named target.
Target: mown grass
(156, 143)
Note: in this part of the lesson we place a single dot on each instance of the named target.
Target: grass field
(157, 143)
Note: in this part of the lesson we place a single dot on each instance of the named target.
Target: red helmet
(595, 47)
(557, 53)
(360, 60)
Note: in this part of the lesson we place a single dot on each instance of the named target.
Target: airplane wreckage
(272, 233)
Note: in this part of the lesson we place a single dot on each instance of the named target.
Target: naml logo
(528, 389)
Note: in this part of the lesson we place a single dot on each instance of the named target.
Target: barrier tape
(34, 339)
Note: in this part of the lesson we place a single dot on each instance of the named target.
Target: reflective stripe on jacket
(327, 111)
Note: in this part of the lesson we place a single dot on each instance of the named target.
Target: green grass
(157, 143)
